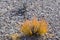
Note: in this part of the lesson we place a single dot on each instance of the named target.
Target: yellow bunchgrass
(39, 27)
(32, 26)
(26, 28)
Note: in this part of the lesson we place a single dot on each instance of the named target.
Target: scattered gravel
(16, 11)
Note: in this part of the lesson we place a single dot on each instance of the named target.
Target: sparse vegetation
(33, 27)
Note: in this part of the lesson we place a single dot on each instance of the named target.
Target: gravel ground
(15, 11)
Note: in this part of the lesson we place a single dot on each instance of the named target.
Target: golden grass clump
(34, 26)
(26, 28)
(31, 27)
(43, 29)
